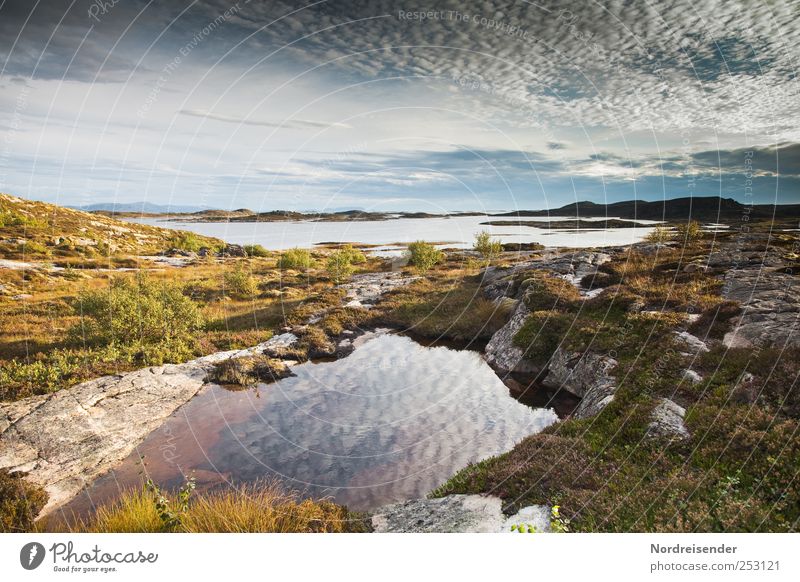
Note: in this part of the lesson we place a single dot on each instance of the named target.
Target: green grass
(455, 311)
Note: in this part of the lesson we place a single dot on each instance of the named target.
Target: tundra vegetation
(424, 256)
(77, 313)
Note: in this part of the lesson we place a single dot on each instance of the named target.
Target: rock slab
(66, 439)
(457, 514)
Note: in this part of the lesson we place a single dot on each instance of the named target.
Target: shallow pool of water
(389, 422)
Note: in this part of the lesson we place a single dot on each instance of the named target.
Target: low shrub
(354, 255)
(186, 241)
(339, 266)
(543, 291)
(295, 259)
(688, 232)
(238, 282)
(248, 371)
(151, 321)
(659, 234)
(487, 247)
(255, 251)
(424, 256)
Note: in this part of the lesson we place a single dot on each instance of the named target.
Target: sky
(394, 105)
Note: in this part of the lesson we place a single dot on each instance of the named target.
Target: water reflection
(389, 422)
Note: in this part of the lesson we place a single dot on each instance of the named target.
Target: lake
(458, 231)
(389, 422)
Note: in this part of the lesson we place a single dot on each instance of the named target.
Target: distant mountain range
(706, 209)
(142, 207)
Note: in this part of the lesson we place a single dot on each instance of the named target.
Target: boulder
(692, 345)
(667, 421)
(367, 289)
(587, 375)
(692, 376)
(501, 351)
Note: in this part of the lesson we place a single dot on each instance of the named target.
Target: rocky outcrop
(457, 514)
(573, 266)
(66, 439)
(587, 375)
(367, 289)
(689, 344)
(584, 375)
(667, 421)
(770, 308)
(501, 351)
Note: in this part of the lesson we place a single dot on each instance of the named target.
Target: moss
(544, 291)
(248, 371)
(455, 311)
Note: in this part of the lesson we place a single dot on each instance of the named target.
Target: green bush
(339, 266)
(186, 241)
(11, 218)
(295, 259)
(355, 256)
(688, 232)
(153, 321)
(340, 263)
(240, 283)
(35, 248)
(488, 248)
(255, 251)
(20, 502)
(659, 234)
(424, 256)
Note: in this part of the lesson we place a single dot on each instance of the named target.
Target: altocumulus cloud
(502, 102)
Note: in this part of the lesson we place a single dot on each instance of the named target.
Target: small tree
(153, 321)
(355, 256)
(659, 234)
(488, 248)
(688, 232)
(255, 251)
(240, 283)
(295, 259)
(424, 255)
(339, 266)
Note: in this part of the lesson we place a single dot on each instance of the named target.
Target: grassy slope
(31, 230)
(739, 469)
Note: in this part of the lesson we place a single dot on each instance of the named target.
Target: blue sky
(398, 106)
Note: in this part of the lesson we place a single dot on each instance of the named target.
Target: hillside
(30, 229)
(706, 209)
